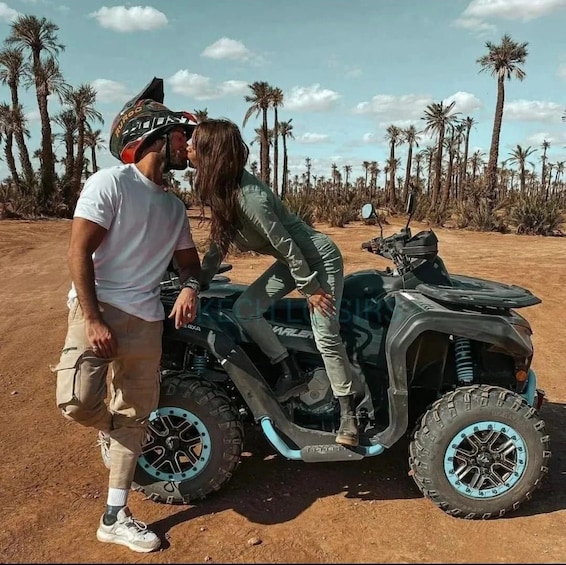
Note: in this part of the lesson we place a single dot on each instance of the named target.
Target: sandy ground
(54, 483)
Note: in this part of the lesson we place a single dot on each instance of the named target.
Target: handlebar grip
(366, 245)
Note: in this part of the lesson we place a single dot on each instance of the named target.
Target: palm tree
(12, 68)
(260, 101)
(7, 132)
(412, 137)
(308, 165)
(519, 156)
(451, 145)
(469, 122)
(374, 173)
(67, 121)
(82, 100)
(545, 146)
(94, 141)
(38, 36)
(276, 97)
(438, 117)
(502, 61)
(365, 165)
(476, 161)
(286, 131)
(201, 115)
(394, 136)
(418, 164)
(347, 171)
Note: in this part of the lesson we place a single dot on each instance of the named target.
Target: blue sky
(348, 68)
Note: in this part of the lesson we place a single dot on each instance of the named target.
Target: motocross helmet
(142, 120)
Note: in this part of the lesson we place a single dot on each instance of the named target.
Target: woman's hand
(322, 302)
(184, 310)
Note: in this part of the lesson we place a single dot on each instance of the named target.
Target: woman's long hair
(222, 156)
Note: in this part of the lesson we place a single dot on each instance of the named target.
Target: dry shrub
(536, 215)
(301, 204)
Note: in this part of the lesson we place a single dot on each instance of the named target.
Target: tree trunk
(264, 149)
(21, 142)
(437, 168)
(494, 149)
(464, 175)
(285, 179)
(10, 161)
(79, 161)
(47, 158)
(275, 153)
(391, 195)
(407, 174)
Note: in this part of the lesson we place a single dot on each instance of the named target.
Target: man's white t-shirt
(145, 224)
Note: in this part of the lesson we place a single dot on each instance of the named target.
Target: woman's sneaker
(129, 532)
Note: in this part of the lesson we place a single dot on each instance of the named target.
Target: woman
(246, 213)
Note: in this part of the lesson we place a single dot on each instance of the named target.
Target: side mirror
(367, 211)
(411, 203)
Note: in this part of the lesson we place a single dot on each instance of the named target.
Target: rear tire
(479, 452)
(195, 440)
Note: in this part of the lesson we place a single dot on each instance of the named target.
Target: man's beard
(177, 159)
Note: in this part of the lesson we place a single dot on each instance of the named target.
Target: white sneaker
(104, 442)
(129, 532)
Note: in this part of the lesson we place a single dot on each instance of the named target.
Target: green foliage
(301, 205)
(464, 212)
(14, 203)
(484, 218)
(536, 215)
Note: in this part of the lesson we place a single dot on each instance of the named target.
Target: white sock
(117, 496)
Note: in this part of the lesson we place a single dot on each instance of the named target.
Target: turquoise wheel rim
(485, 460)
(178, 445)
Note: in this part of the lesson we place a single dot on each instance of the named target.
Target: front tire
(479, 452)
(194, 443)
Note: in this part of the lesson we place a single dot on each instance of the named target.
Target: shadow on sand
(268, 489)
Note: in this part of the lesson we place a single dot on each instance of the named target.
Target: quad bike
(442, 359)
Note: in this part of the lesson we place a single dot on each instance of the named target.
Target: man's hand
(101, 338)
(323, 302)
(185, 308)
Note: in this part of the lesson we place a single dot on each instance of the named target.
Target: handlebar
(390, 247)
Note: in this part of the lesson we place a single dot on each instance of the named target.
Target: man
(126, 229)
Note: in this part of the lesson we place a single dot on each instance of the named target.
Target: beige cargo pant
(133, 380)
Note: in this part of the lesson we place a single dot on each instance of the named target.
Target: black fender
(414, 314)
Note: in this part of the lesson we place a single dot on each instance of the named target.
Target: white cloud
(353, 72)
(311, 98)
(512, 9)
(535, 140)
(478, 11)
(136, 18)
(369, 138)
(408, 109)
(561, 71)
(466, 103)
(390, 108)
(532, 111)
(32, 116)
(312, 138)
(202, 88)
(110, 91)
(226, 48)
(475, 25)
(7, 14)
